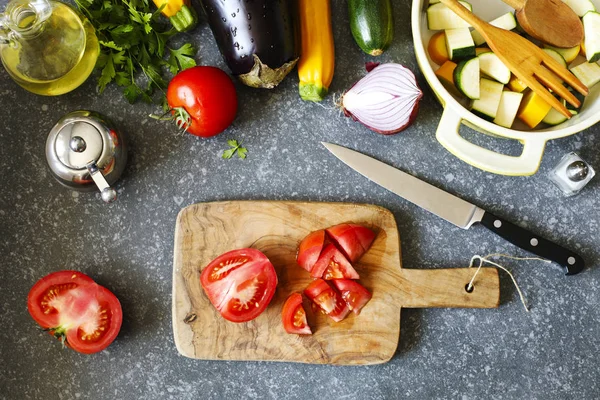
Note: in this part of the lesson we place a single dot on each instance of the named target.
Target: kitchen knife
(453, 209)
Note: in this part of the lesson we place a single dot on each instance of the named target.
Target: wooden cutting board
(206, 230)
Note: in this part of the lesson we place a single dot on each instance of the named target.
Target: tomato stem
(179, 115)
(60, 334)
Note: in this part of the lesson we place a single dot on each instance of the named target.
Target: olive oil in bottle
(46, 46)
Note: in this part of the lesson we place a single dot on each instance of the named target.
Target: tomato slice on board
(310, 249)
(354, 294)
(332, 264)
(240, 284)
(328, 299)
(294, 316)
(354, 240)
(71, 306)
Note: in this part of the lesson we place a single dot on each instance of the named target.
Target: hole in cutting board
(469, 289)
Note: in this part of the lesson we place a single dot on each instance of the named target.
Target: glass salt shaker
(571, 174)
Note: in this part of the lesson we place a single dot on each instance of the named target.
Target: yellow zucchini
(533, 109)
(516, 85)
(317, 59)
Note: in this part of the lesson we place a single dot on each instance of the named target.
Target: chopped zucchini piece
(557, 56)
(493, 67)
(506, 21)
(533, 109)
(466, 78)
(509, 106)
(440, 17)
(591, 28)
(554, 117)
(490, 94)
(459, 44)
(588, 73)
(516, 85)
(581, 7)
(569, 54)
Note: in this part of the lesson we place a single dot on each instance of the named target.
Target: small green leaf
(182, 58)
(107, 75)
(122, 29)
(122, 78)
(235, 147)
(119, 58)
(227, 154)
(131, 93)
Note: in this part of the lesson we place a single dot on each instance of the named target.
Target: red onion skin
(371, 65)
(413, 115)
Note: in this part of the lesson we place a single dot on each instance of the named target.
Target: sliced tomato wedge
(240, 284)
(310, 249)
(328, 299)
(294, 316)
(76, 310)
(354, 294)
(332, 264)
(352, 239)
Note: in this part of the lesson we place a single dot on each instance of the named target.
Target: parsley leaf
(234, 147)
(133, 47)
(181, 58)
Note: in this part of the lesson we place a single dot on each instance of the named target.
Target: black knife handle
(533, 243)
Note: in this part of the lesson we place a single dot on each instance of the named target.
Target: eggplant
(256, 38)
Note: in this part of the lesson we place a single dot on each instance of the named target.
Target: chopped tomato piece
(354, 294)
(328, 299)
(332, 264)
(76, 310)
(310, 249)
(294, 316)
(240, 284)
(354, 240)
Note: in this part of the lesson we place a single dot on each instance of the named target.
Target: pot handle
(525, 164)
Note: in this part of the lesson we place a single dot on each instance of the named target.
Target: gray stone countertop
(550, 352)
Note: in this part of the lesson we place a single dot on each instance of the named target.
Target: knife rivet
(534, 242)
(571, 260)
(497, 223)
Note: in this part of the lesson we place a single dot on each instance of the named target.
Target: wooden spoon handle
(423, 288)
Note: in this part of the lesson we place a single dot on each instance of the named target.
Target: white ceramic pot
(534, 142)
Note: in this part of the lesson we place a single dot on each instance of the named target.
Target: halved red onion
(386, 100)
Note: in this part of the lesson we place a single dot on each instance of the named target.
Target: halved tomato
(80, 313)
(328, 299)
(354, 294)
(310, 249)
(294, 316)
(332, 264)
(354, 240)
(240, 284)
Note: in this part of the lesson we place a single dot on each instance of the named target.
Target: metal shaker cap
(84, 152)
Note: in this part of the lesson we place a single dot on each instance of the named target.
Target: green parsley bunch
(133, 39)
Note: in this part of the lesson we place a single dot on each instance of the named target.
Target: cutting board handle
(423, 288)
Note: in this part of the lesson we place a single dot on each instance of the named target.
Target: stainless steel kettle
(86, 153)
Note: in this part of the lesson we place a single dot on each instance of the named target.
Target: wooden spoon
(529, 63)
(551, 21)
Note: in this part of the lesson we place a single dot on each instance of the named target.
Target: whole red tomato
(203, 100)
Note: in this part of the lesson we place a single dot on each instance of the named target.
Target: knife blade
(454, 209)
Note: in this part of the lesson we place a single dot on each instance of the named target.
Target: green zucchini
(466, 78)
(372, 24)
